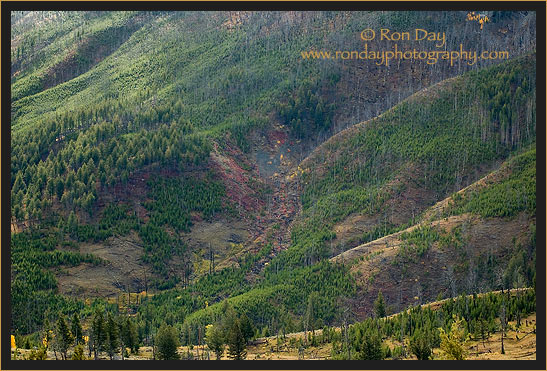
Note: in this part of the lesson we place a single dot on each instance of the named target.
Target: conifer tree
(47, 334)
(247, 327)
(310, 312)
(98, 332)
(63, 336)
(380, 306)
(77, 331)
(72, 224)
(128, 335)
(371, 348)
(167, 342)
(420, 345)
(78, 354)
(112, 336)
(237, 346)
(215, 340)
(230, 316)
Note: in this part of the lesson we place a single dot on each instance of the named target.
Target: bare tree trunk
(502, 318)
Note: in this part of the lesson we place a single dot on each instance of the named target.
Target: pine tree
(38, 354)
(77, 331)
(236, 342)
(47, 334)
(72, 224)
(129, 335)
(482, 325)
(214, 340)
(247, 327)
(371, 348)
(167, 342)
(230, 316)
(380, 306)
(112, 336)
(98, 332)
(420, 345)
(122, 327)
(63, 336)
(310, 312)
(78, 354)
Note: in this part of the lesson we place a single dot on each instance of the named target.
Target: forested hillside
(188, 176)
(387, 171)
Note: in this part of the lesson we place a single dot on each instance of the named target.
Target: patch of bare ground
(237, 181)
(276, 155)
(221, 235)
(350, 229)
(122, 270)
(392, 241)
(235, 19)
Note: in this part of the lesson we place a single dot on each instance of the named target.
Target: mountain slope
(384, 173)
(169, 160)
(452, 251)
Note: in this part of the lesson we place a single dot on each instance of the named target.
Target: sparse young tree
(453, 343)
(482, 325)
(78, 354)
(502, 322)
(380, 306)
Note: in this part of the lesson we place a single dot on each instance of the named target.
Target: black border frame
(8, 6)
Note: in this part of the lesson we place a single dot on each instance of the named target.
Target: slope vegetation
(456, 248)
(161, 152)
(382, 174)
